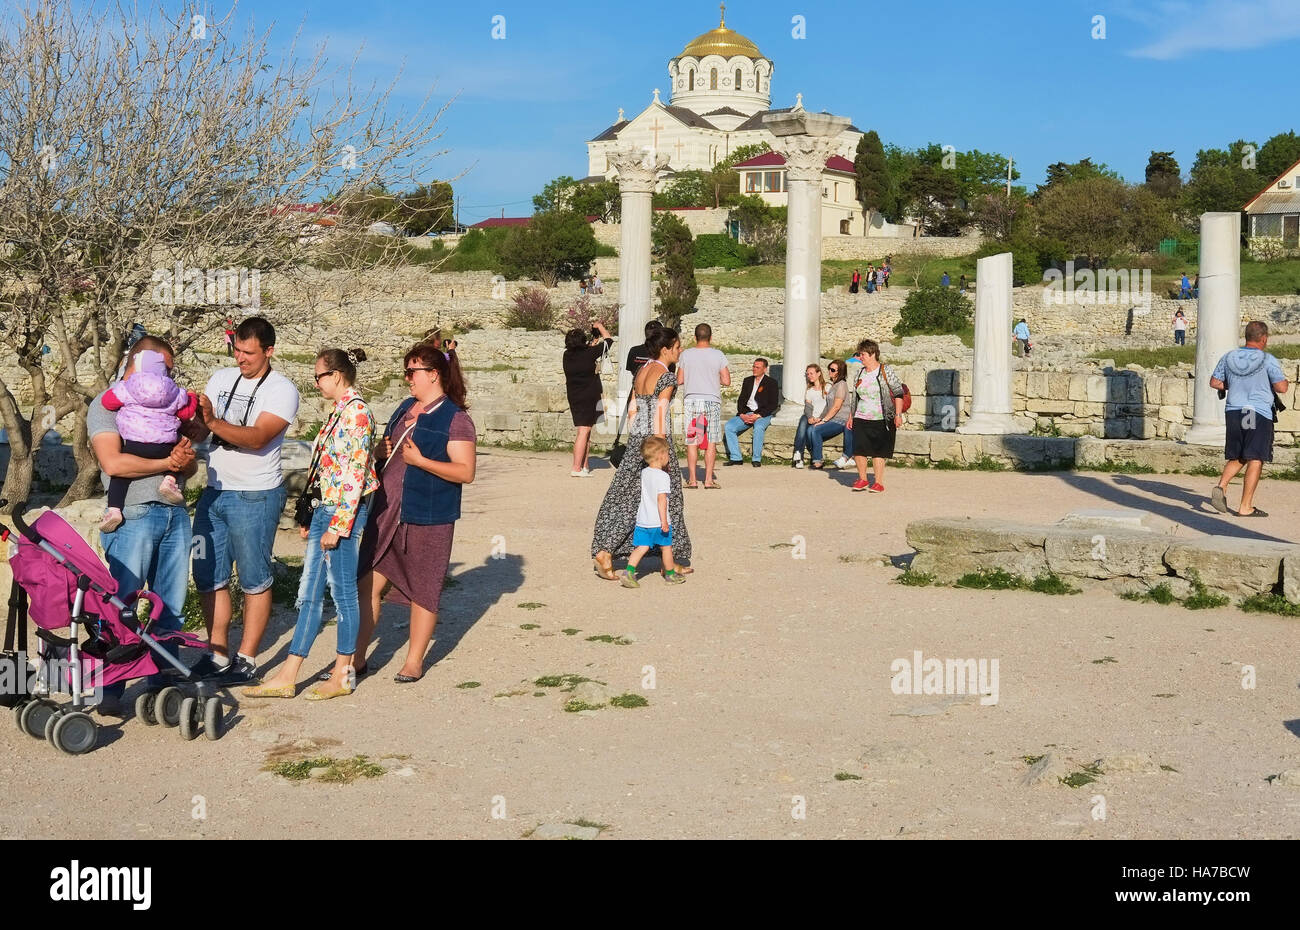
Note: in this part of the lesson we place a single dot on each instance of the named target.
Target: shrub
(555, 246)
(583, 314)
(718, 250)
(532, 310)
(934, 310)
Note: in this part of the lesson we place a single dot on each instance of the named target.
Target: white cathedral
(721, 90)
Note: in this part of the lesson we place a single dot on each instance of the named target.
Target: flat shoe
(405, 679)
(270, 691)
(315, 694)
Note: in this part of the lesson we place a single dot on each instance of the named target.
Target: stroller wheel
(168, 706)
(191, 717)
(213, 718)
(74, 733)
(146, 708)
(18, 713)
(49, 723)
(34, 717)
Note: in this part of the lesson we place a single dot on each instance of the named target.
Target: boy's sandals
(270, 691)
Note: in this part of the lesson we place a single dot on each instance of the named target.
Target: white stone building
(721, 88)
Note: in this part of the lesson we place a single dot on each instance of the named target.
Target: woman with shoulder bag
(582, 384)
(331, 516)
(427, 455)
(877, 416)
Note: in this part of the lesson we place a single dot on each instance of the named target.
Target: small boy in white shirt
(652, 526)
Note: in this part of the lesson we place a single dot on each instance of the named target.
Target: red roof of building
(773, 159)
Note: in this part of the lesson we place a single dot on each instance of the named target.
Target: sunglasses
(410, 372)
(324, 373)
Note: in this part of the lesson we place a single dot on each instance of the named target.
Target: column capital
(805, 156)
(638, 170)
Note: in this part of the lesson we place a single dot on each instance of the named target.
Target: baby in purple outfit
(150, 407)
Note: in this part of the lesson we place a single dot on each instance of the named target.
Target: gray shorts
(711, 410)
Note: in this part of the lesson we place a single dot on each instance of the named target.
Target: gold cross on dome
(723, 24)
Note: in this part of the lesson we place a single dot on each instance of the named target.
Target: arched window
(713, 79)
(690, 77)
(737, 79)
(759, 77)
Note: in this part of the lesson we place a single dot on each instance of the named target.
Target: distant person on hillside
(597, 285)
(945, 280)
(1021, 332)
(703, 372)
(1180, 328)
(582, 286)
(871, 279)
(885, 272)
(1253, 380)
(855, 282)
(961, 284)
(1184, 288)
(1196, 287)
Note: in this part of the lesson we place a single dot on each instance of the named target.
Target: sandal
(713, 487)
(1254, 513)
(604, 563)
(270, 691)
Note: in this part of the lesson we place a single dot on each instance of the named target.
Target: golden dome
(722, 41)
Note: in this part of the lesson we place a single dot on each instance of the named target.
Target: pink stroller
(58, 577)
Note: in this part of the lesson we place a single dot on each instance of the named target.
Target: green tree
(677, 291)
(1220, 180)
(1162, 175)
(933, 197)
(692, 188)
(600, 199)
(429, 206)
(744, 153)
(1002, 217)
(1276, 155)
(557, 195)
(1148, 218)
(751, 212)
(1071, 172)
(556, 246)
(875, 192)
(1088, 216)
(980, 173)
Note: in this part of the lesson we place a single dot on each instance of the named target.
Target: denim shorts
(236, 527)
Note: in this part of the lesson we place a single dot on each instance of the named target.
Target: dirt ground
(771, 676)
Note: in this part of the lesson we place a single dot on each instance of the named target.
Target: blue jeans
(339, 567)
(735, 426)
(151, 550)
(1180, 337)
(820, 433)
(801, 436)
(236, 527)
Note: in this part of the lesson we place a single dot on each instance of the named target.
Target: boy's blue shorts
(652, 536)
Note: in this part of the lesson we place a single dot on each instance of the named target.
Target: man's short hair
(651, 326)
(766, 366)
(1256, 330)
(703, 332)
(256, 327)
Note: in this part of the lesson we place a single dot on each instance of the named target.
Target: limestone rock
(1288, 779)
(1128, 763)
(1238, 566)
(1118, 518)
(1291, 578)
(564, 831)
(1094, 553)
(588, 692)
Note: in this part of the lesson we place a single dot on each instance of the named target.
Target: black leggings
(117, 487)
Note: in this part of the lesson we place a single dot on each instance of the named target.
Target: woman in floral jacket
(345, 471)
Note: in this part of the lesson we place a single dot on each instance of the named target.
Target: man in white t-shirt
(248, 409)
(703, 371)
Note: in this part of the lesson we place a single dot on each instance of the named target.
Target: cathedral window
(713, 79)
(690, 77)
(737, 79)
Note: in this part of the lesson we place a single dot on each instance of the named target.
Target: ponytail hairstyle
(445, 364)
(344, 361)
(662, 338)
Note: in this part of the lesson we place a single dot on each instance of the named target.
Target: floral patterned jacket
(347, 467)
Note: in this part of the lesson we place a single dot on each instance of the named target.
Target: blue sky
(1019, 77)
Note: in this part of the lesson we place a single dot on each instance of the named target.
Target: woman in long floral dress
(649, 415)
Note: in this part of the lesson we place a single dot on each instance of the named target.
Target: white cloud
(1213, 25)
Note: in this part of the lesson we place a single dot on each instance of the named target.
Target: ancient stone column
(990, 406)
(806, 140)
(637, 171)
(1218, 319)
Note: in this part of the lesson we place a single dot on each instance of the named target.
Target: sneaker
(169, 491)
(583, 473)
(674, 578)
(842, 462)
(111, 520)
(207, 667)
(798, 463)
(239, 672)
(860, 485)
(876, 488)
(629, 580)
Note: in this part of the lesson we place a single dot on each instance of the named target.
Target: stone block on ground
(564, 831)
(1106, 553)
(949, 548)
(1291, 578)
(1226, 563)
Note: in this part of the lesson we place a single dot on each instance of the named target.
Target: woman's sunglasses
(410, 372)
(324, 373)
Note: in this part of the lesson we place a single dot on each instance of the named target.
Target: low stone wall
(877, 247)
(1113, 549)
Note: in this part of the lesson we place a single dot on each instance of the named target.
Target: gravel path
(771, 673)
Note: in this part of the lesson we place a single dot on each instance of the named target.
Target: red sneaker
(875, 488)
(860, 485)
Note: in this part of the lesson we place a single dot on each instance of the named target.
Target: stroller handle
(19, 522)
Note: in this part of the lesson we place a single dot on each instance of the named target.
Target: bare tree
(150, 163)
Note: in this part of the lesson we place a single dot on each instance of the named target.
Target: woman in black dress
(583, 387)
(650, 415)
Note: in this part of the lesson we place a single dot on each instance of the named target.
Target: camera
(219, 443)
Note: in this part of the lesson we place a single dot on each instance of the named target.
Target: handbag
(617, 450)
(11, 659)
(310, 498)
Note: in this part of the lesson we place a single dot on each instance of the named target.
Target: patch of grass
(1291, 474)
(1120, 468)
(947, 465)
(530, 626)
(847, 776)
(744, 350)
(987, 463)
(1201, 597)
(519, 693)
(341, 771)
(628, 700)
(916, 579)
(1105, 660)
(1032, 760)
(584, 822)
(606, 638)
(1168, 768)
(1161, 594)
(1270, 604)
(1051, 583)
(1085, 776)
(575, 706)
(536, 444)
(530, 605)
(1051, 429)
(1206, 471)
(563, 682)
(570, 631)
(470, 684)
(986, 580)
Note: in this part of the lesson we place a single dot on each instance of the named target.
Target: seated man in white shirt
(760, 396)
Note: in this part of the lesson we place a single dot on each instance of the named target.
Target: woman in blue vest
(428, 452)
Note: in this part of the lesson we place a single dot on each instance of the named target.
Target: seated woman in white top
(814, 404)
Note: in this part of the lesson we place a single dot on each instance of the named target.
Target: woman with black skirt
(583, 386)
